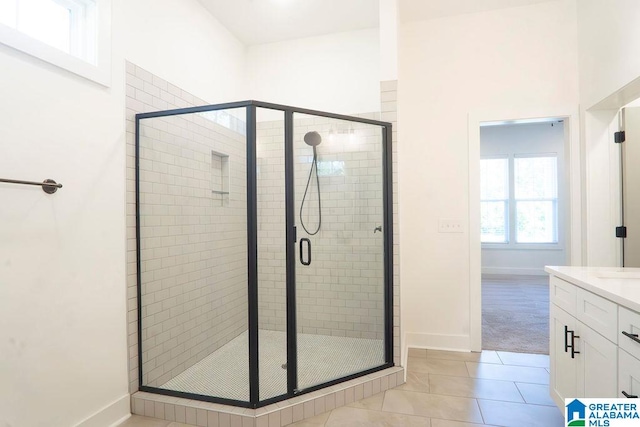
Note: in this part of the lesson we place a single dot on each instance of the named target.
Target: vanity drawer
(598, 313)
(629, 322)
(563, 294)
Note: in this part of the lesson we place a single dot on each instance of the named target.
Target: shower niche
(220, 173)
(264, 251)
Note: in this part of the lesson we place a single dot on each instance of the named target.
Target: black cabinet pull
(308, 242)
(573, 345)
(566, 341)
(573, 342)
(629, 396)
(631, 336)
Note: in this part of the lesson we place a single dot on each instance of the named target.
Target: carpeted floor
(515, 313)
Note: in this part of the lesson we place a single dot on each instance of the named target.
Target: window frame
(98, 49)
(512, 243)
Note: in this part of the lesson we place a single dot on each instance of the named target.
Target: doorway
(521, 199)
(524, 221)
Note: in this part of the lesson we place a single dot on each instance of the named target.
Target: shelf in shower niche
(220, 178)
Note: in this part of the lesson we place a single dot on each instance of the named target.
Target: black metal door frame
(292, 321)
(252, 248)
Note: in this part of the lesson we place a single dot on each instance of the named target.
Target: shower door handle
(308, 242)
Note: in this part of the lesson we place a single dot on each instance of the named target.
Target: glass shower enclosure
(264, 251)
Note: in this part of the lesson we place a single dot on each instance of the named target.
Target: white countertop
(617, 284)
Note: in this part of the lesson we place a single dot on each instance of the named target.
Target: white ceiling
(418, 10)
(268, 21)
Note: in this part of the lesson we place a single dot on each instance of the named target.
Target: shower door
(339, 253)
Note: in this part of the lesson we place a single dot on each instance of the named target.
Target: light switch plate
(450, 226)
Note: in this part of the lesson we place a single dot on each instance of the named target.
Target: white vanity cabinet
(583, 351)
(595, 326)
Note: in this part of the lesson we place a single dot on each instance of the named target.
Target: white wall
(63, 349)
(609, 39)
(338, 73)
(631, 157)
(525, 139)
(602, 188)
(388, 39)
(507, 60)
(182, 43)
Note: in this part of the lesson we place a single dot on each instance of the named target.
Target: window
(519, 199)
(72, 34)
(330, 167)
(536, 199)
(494, 200)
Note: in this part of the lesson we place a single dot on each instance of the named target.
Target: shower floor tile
(321, 358)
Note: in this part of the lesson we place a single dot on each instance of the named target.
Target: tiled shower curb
(205, 414)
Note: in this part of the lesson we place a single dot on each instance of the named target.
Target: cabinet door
(597, 364)
(563, 378)
(628, 374)
(628, 324)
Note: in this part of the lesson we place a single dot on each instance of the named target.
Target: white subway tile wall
(271, 222)
(193, 242)
(342, 292)
(190, 235)
(333, 299)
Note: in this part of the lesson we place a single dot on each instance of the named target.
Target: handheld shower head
(312, 138)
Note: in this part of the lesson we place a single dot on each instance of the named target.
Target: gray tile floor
(447, 389)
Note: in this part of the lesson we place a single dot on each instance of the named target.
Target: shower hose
(314, 165)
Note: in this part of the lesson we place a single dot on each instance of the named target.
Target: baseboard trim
(438, 341)
(514, 271)
(121, 420)
(110, 414)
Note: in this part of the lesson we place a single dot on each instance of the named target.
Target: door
(631, 187)
(597, 364)
(339, 216)
(628, 375)
(563, 377)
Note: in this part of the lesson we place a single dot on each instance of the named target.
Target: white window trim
(100, 73)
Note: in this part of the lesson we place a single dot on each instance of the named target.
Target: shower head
(312, 138)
